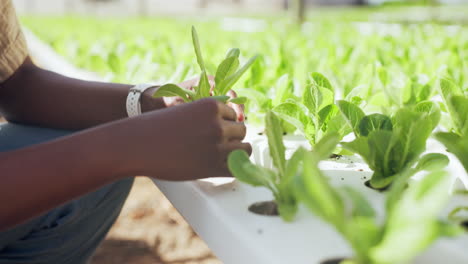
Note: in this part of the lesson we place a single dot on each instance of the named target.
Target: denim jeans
(68, 234)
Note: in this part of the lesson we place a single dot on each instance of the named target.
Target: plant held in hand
(389, 145)
(227, 74)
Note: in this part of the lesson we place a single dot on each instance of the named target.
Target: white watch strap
(133, 98)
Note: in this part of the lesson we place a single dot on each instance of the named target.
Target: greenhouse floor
(150, 231)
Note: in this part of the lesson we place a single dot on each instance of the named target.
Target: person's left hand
(190, 84)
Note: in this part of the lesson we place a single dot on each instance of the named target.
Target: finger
(189, 84)
(226, 149)
(224, 172)
(239, 109)
(247, 147)
(211, 81)
(236, 145)
(227, 112)
(233, 130)
(232, 94)
(172, 101)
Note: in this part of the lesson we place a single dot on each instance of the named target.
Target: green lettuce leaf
(353, 115)
(275, 141)
(170, 90)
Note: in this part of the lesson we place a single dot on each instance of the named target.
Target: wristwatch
(134, 97)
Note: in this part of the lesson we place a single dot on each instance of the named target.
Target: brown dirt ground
(150, 231)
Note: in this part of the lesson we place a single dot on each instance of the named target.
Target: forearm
(169, 144)
(39, 178)
(39, 97)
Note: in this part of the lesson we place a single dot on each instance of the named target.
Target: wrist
(128, 146)
(149, 103)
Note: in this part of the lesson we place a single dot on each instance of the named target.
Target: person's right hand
(185, 142)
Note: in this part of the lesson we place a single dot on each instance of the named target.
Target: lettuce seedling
(316, 114)
(227, 74)
(390, 144)
(410, 225)
(458, 214)
(279, 181)
(402, 88)
(457, 140)
(264, 100)
(448, 89)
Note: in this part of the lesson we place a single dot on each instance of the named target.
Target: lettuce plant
(456, 140)
(262, 101)
(449, 89)
(410, 224)
(317, 113)
(390, 144)
(403, 89)
(456, 105)
(458, 214)
(227, 74)
(455, 144)
(278, 181)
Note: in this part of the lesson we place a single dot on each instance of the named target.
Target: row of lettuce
(391, 86)
(393, 146)
(387, 65)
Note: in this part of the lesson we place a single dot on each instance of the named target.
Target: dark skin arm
(39, 97)
(185, 142)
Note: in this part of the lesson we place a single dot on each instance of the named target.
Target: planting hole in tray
(333, 261)
(367, 183)
(464, 225)
(268, 208)
(336, 156)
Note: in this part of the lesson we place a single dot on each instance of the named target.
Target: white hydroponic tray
(217, 208)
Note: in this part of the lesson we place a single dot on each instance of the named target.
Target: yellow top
(13, 49)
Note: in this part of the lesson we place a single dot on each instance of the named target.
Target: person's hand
(184, 142)
(190, 84)
(238, 108)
